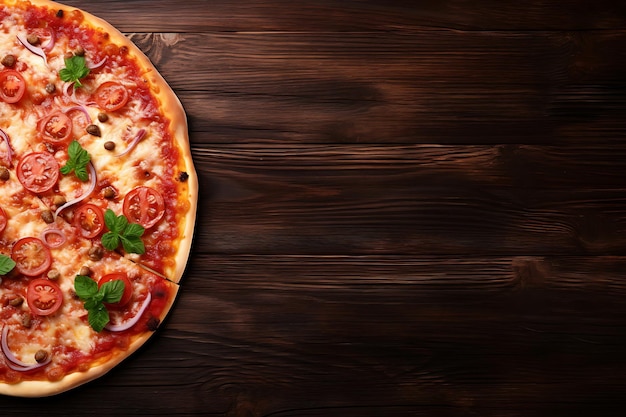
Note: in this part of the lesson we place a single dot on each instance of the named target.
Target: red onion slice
(66, 89)
(133, 143)
(50, 231)
(82, 109)
(34, 49)
(71, 96)
(97, 64)
(50, 44)
(6, 140)
(13, 362)
(130, 323)
(92, 186)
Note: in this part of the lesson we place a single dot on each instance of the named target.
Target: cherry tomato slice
(89, 220)
(3, 220)
(144, 205)
(111, 96)
(56, 127)
(43, 296)
(12, 86)
(38, 172)
(31, 256)
(128, 287)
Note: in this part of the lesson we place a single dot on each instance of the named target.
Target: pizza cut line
(98, 197)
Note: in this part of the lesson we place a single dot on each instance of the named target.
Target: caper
(32, 39)
(8, 61)
(51, 88)
(27, 320)
(59, 200)
(109, 145)
(41, 355)
(109, 193)
(96, 253)
(85, 271)
(54, 274)
(103, 117)
(4, 174)
(16, 301)
(47, 216)
(94, 130)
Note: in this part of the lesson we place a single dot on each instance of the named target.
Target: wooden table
(408, 208)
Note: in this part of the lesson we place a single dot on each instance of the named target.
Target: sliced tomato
(111, 96)
(12, 86)
(31, 256)
(3, 220)
(56, 127)
(128, 287)
(43, 296)
(89, 220)
(144, 205)
(38, 172)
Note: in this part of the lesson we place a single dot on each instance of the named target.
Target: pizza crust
(173, 108)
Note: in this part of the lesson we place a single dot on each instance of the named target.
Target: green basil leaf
(112, 291)
(133, 244)
(109, 219)
(81, 173)
(6, 264)
(134, 230)
(92, 304)
(77, 162)
(85, 287)
(67, 168)
(73, 149)
(129, 234)
(110, 240)
(98, 317)
(75, 69)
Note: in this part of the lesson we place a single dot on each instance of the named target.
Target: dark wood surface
(408, 208)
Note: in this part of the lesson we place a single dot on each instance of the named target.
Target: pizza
(98, 197)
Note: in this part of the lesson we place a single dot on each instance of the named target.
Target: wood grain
(406, 209)
(354, 15)
(534, 87)
(411, 199)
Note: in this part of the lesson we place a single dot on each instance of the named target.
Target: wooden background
(408, 208)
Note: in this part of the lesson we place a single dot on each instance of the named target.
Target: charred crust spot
(153, 323)
(183, 176)
(60, 14)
